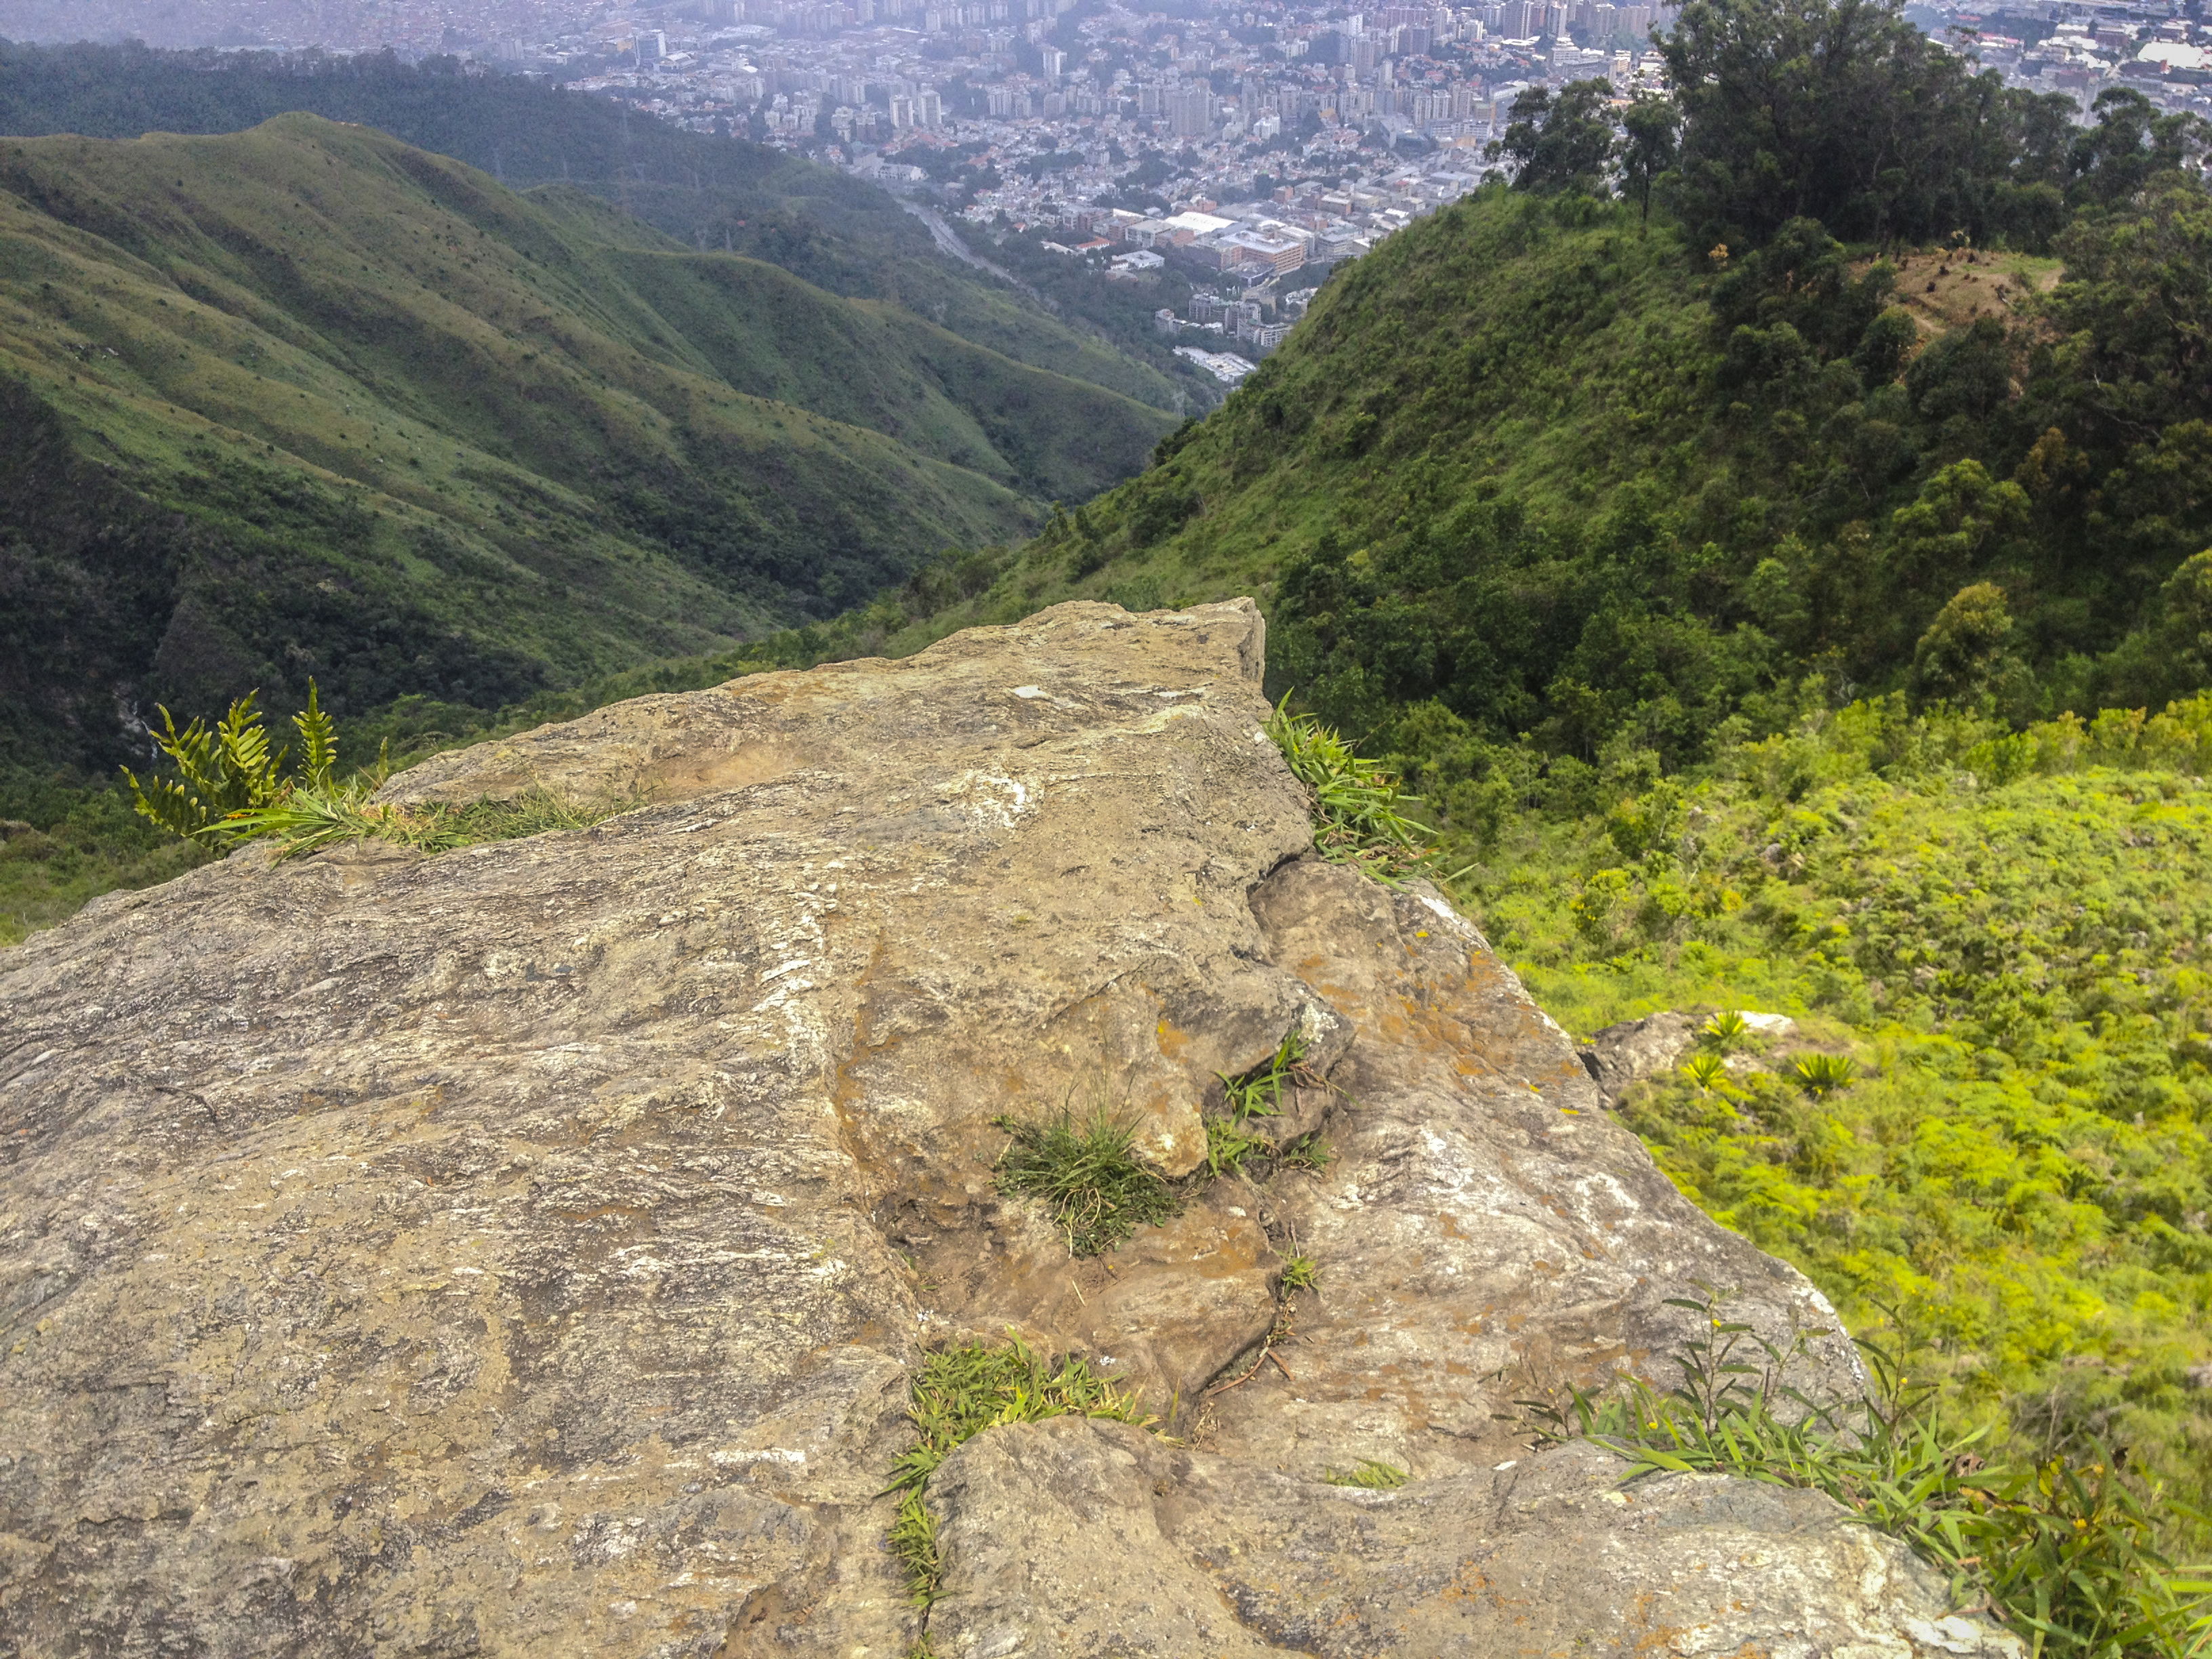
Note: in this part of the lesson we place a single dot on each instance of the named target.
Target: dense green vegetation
(304, 401)
(708, 192)
(2003, 933)
(1528, 460)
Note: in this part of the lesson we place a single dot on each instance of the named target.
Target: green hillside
(1530, 460)
(307, 402)
(836, 231)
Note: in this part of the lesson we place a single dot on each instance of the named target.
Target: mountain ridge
(443, 391)
(837, 232)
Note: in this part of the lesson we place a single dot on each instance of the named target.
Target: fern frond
(247, 771)
(192, 749)
(166, 803)
(318, 738)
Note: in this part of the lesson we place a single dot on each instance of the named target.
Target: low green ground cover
(1994, 1151)
(960, 1391)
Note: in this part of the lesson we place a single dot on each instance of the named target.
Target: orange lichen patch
(1172, 1040)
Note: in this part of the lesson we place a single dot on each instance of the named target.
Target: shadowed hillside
(305, 401)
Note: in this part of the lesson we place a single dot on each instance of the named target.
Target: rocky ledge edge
(526, 1249)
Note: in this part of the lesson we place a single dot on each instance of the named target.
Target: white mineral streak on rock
(524, 1251)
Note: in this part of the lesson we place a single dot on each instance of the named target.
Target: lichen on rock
(524, 1249)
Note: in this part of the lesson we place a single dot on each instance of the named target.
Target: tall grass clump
(1087, 1175)
(957, 1393)
(2063, 1552)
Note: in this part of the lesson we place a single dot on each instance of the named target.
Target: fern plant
(232, 786)
(219, 770)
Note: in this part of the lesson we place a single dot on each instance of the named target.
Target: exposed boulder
(1624, 1054)
(1209, 1555)
(1637, 1048)
(525, 1250)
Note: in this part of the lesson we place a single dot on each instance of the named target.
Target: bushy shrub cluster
(2006, 934)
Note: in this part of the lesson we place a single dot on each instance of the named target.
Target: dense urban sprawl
(1223, 154)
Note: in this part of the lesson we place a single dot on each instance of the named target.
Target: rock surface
(1637, 1048)
(524, 1250)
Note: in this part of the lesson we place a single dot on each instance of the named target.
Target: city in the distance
(1218, 158)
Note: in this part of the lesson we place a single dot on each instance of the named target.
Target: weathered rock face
(1627, 1053)
(524, 1250)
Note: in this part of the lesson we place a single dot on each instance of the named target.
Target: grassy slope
(872, 364)
(2014, 1194)
(330, 352)
(1472, 354)
(838, 233)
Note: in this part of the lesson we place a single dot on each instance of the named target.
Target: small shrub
(957, 1393)
(1368, 1474)
(1359, 816)
(1725, 1033)
(1706, 1071)
(1301, 1272)
(1087, 1175)
(1822, 1074)
(228, 774)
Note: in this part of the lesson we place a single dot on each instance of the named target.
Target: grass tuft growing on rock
(957, 1393)
(1369, 1476)
(1087, 1175)
(1360, 809)
(1229, 1149)
(1259, 1092)
(2062, 1552)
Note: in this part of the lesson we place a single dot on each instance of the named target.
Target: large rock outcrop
(524, 1250)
